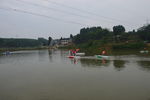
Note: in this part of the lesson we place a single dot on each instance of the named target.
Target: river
(50, 75)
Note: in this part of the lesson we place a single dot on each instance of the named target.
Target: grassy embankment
(96, 47)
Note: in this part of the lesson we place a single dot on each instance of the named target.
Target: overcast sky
(60, 18)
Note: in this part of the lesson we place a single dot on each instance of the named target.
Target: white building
(65, 41)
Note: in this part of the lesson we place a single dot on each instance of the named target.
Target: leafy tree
(144, 33)
(88, 34)
(19, 42)
(49, 40)
(43, 41)
(118, 29)
(1, 42)
(71, 36)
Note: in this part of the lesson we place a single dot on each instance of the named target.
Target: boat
(80, 54)
(101, 56)
(6, 53)
(73, 57)
(144, 51)
(70, 56)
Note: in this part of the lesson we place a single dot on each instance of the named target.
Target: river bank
(111, 49)
(23, 48)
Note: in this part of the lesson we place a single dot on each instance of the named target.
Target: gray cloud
(106, 13)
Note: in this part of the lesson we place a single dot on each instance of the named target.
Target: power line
(58, 10)
(41, 15)
(84, 11)
(50, 8)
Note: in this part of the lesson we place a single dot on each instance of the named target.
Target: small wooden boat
(101, 56)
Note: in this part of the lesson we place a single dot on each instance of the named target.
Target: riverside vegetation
(90, 40)
(96, 39)
(12, 44)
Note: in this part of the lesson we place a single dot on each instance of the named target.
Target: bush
(129, 46)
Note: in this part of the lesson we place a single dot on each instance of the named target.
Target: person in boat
(77, 50)
(70, 52)
(74, 52)
(103, 52)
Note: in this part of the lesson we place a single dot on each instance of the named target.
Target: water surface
(50, 75)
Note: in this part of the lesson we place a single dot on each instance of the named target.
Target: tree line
(99, 35)
(12, 42)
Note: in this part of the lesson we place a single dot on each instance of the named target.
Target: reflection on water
(144, 65)
(50, 75)
(94, 62)
(18, 57)
(42, 55)
(119, 64)
(50, 55)
(74, 61)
